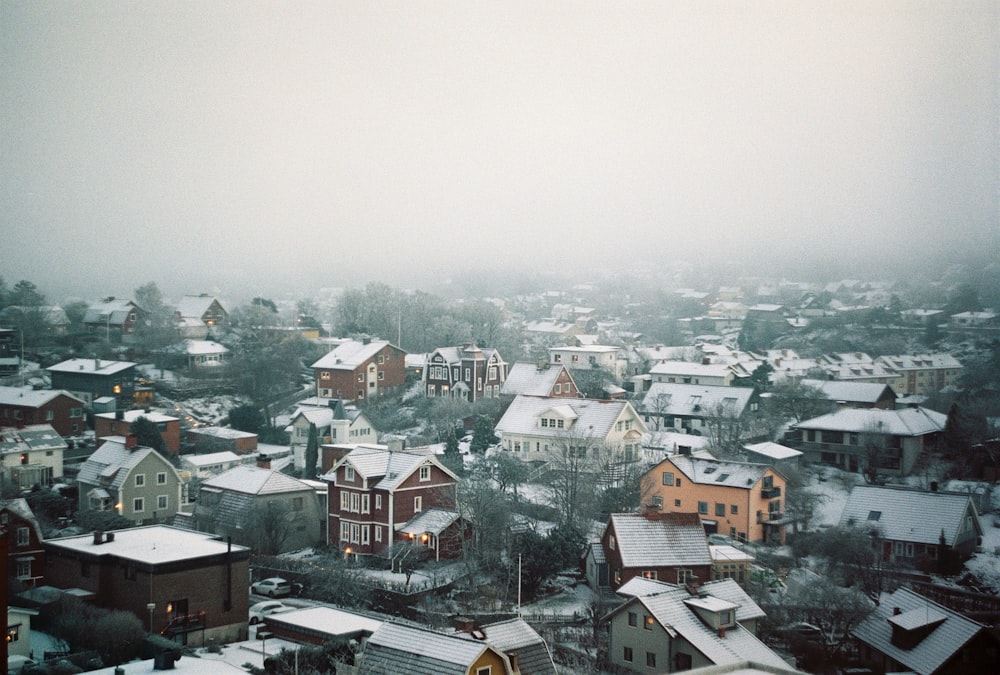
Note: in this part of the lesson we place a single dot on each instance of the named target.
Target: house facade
(335, 423)
(694, 408)
(135, 481)
(466, 372)
(685, 372)
(91, 379)
(120, 424)
(359, 370)
(235, 504)
(612, 359)
(906, 526)
(395, 648)
(870, 441)
(922, 374)
(31, 456)
(737, 499)
(373, 493)
(678, 628)
(188, 586)
(113, 318)
(540, 428)
(23, 543)
(59, 409)
(199, 315)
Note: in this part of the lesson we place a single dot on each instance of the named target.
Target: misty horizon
(260, 149)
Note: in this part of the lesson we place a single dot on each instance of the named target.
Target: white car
(262, 610)
(273, 587)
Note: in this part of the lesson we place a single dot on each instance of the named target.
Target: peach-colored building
(744, 501)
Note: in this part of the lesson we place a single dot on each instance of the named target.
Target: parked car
(262, 610)
(272, 587)
(17, 663)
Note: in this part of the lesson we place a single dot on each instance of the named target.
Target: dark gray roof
(670, 540)
(909, 515)
(515, 636)
(949, 634)
(695, 400)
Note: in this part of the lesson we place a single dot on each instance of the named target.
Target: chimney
(98, 537)
(97, 363)
(692, 585)
(131, 441)
(109, 537)
(705, 361)
(896, 611)
(515, 666)
(119, 414)
(263, 462)
(722, 631)
(934, 486)
(464, 624)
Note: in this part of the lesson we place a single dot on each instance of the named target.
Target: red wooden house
(25, 554)
(466, 372)
(355, 371)
(378, 499)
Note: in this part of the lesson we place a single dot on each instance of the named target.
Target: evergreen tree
(452, 457)
(312, 452)
(148, 434)
(482, 435)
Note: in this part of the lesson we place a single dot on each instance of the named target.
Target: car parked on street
(272, 587)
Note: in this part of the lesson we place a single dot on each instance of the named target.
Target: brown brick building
(189, 586)
(120, 424)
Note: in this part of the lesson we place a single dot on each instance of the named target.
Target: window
(349, 473)
(355, 502)
(378, 533)
(161, 502)
(627, 654)
(345, 531)
(378, 502)
(720, 509)
(297, 504)
(545, 422)
(345, 501)
(703, 508)
(161, 478)
(677, 502)
(23, 536)
(381, 375)
(365, 503)
(558, 388)
(324, 374)
(13, 633)
(649, 574)
(381, 359)
(668, 478)
(647, 622)
(24, 569)
(651, 659)
(733, 509)
(633, 619)
(418, 504)
(611, 542)
(484, 670)
(140, 479)
(364, 534)
(49, 415)
(130, 573)
(425, 473)
(138, 505)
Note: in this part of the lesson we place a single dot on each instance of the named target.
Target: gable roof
(32, 437)
(32, 398)
(253, 480)
(395, 648)
(194, 306)
(669, 398)
(390, 467)
(351, 354)
(669, 540)
(594, 418)
(19, 506)
(908, 515)
(110, 454)
(861, 392)
(670, 609)
(949, 630)
(704, 471)
(904, 422)
(516, 636)
(110, 310)
(433, 520)
(691, 369)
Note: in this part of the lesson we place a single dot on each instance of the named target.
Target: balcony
(770, 516)
(770, 492)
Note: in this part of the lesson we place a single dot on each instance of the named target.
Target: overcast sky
(225, 145)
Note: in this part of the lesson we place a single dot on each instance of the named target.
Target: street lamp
(151, 606)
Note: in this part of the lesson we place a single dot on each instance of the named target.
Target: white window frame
(425, 473)
(138, 505)
(349, 473)
(418, 504)
(140, 480)
(378, 502)
(162, 502)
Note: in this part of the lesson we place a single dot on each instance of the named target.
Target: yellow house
(742, 500)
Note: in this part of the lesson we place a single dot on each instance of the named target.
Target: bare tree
(574, 468)
(271, 525)
(656, 407)
(728, 428)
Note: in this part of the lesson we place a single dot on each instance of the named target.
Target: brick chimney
(131, 441)
(263, 462)
(464, 624)
(722, 631)
(515, 665)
